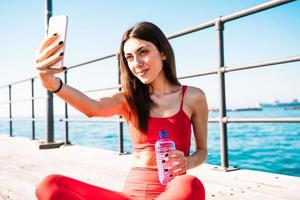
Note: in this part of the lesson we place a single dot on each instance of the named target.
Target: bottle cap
(163, 134)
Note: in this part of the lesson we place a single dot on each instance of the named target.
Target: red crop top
(177, 125)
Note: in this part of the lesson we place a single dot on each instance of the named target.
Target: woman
(149, 84)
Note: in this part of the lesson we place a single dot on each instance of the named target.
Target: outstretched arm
(46, 57)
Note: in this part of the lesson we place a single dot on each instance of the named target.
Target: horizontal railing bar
(64, 120)
(213, 120)
(71, 67)
(197, 75)
(91, 120)
(199, 27)
(21, 100)
(263, 64)
(18, 82)
(247, 66)
(210, 120)
(255, 9)
(256, 120)
(226, 69)
(208, 24)
(211, 72)
(22, 119)
(103, 89)
(263, 120)
(229, 17)
(91, 61)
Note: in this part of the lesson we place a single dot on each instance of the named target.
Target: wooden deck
(23, 165)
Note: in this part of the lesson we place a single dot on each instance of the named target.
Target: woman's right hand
(47, 55)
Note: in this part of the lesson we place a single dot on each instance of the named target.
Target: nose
(138, 62)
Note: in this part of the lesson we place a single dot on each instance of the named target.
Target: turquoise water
(270, 147)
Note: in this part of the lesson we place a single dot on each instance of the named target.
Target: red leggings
(184, 187)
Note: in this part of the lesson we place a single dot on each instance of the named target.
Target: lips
(142, 72)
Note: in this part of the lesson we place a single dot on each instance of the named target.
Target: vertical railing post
(121, 135)
(10, 112)
(120, 123)
(32, 109)
(66, 114)
(50, 114)
(222, 106)
(49, 138)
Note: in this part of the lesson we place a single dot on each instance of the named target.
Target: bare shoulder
(111, 104)
(195, 99)
(120, 99)
(119, 96)
(195, 94)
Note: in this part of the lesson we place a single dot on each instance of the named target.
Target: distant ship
(248, 109)
(293, 103)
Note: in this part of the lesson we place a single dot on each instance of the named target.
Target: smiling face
(144, 60)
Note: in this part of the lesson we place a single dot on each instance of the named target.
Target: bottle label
(162, 147)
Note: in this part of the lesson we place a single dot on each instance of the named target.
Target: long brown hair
(137, 93)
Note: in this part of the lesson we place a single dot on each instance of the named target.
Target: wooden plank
(23, 165)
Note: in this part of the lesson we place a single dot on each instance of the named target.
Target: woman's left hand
(176, 163)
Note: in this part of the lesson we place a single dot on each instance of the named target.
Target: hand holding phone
(58, 25)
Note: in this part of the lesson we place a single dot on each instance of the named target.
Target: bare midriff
(144, 159)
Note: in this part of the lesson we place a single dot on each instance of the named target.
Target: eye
(144, 51)
(129, 57)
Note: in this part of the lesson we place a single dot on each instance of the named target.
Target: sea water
(270, 147)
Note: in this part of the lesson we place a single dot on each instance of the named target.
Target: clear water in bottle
(162, 146)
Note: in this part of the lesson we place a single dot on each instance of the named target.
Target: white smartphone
(59, 24)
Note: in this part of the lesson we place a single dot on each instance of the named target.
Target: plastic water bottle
(162, 146)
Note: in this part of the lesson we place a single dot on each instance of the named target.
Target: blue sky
(96, 27)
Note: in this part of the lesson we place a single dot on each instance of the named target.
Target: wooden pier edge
(23, 165)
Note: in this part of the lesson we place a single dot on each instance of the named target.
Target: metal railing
(220, 71)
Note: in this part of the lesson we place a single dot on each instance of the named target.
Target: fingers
(175, 154)
(48, 55)
(49, 62)
(45, 56)
(176, 168)
(49, 51)
(49, 40)
(175, 162)
(52, 71)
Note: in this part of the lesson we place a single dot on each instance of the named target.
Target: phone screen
(58, 24)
